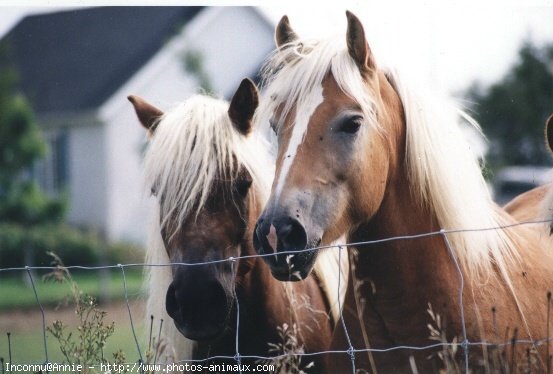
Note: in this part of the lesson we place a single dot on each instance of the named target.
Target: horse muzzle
(200, 311)
(283, 243)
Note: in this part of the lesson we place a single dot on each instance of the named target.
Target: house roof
(74, 60)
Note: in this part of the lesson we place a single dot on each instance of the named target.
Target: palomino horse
(206, 167)
(361, 152)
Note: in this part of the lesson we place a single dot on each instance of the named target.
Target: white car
(511, 181)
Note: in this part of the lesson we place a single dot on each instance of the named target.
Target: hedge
(73, 246)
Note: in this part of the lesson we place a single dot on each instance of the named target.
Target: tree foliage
(513, 110)
(194, 65)
(21, 145)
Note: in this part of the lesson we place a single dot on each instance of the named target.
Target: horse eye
(243, 186)
(153, 191)
(351, 124)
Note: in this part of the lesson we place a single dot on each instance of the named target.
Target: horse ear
(549, 132)
(243, 106)
(147, 114)
(358, 47)
(284, 33)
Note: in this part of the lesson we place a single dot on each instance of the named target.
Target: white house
(77, 68)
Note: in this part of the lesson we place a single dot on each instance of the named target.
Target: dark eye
(242, 186)
(351, 125)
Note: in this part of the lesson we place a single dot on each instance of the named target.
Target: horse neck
(401, 214)
(410, 273)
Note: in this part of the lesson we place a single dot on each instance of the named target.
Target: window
(52, 172)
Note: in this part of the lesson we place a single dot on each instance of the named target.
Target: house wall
(233, 43)
(127, 211)
(87, 175)
(76, 164)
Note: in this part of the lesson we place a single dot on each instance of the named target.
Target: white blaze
(303, 115)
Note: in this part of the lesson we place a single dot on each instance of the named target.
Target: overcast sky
(447, 44)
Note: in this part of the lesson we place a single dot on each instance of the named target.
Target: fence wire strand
(29, 272)
(130, 314)
(465, 342)
(350, 351)
(244, 257)
(237, 357)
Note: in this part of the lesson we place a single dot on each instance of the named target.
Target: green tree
(21, 145)
(513, 110)
(194, 65)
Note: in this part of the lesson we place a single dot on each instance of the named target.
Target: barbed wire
(350, 351)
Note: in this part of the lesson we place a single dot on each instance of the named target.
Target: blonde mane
(443, 173)
(194, 145)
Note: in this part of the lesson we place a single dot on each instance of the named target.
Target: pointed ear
(284, 33)
(243, 106)
(147, 114)
(358, 47)
(549, 132)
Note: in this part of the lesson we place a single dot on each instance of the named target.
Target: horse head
(338, 124)
(205, 198)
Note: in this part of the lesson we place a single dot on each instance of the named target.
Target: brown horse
(361, 152)
(206, 167)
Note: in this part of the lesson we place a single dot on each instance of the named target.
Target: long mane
(194, 144)
(443, 172)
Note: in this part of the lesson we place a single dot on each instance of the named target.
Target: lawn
(21, 317)
(16, 291)
(28, 347)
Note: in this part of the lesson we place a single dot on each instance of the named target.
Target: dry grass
(494, 358)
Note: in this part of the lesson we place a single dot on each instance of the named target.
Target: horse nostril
(260, 241)
(288, 235)
(293, 236)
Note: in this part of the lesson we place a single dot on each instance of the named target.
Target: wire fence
(141, 367)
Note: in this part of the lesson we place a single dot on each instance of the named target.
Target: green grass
(28, 347)
(20, 315)
(17, 293)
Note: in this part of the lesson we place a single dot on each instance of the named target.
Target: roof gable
(74, 60)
